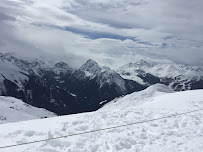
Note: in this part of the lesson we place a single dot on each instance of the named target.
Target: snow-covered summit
(142, 63)
(61, 67)
(103, 75)
(91, 66)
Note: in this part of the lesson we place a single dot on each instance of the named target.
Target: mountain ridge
(59, 88)
(52, 85)
(177, 76)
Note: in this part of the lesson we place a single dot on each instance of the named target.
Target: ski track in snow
(181, 133)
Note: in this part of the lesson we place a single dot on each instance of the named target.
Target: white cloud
(103, 29)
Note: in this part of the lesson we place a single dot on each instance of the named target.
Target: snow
(138, 98)
(13, 110)
(91, 66)
(102, 102)
(12, 73)
(133, 77)
(72, 94)
(159, 96)
(162, 70)
(10, 64)
(61, 67)
(104, 75)
(111, 77)
(182, 133)
(88, 74)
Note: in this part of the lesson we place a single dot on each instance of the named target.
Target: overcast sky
(108, 31)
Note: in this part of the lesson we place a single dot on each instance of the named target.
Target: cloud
(6, 17)
(98, 35)
(104, 30)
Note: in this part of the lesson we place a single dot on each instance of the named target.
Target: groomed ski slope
(181, 133)
(14, 110)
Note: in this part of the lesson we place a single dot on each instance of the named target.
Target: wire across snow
(182, 133)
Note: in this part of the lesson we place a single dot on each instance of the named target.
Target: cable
(103, 129)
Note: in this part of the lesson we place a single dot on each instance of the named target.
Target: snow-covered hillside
(139, 98)
(181, 133)
(159, 97)
(11, 72)
(13, 110)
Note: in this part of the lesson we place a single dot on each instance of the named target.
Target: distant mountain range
(65, 90)
(178, 77)
(59, 88)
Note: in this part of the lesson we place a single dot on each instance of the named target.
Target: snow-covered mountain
(181, 133)
(91, 66)
(104, 76)
(176, 76)
(14, 110)
(60, 88)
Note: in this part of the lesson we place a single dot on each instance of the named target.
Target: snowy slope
(17, 69)
(138, 98)
(13, 110)
(181, 133)
(12, 73)
(159, 97)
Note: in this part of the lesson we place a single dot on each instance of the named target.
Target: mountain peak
(62, 65)
(91, 66)
(145, 63)
(90, 61)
